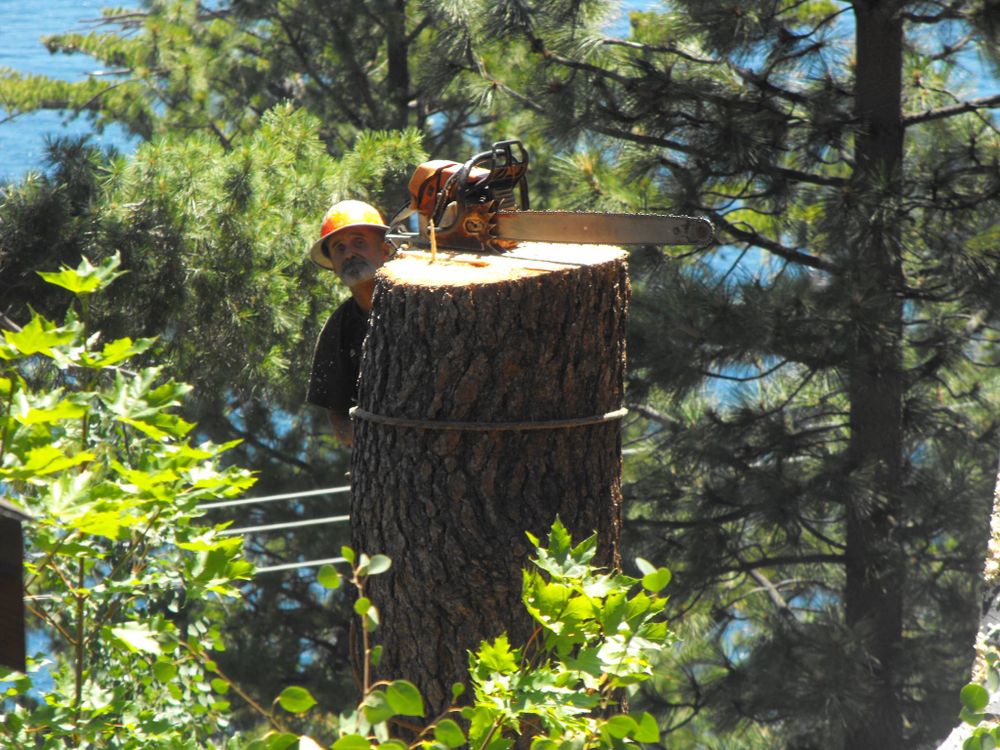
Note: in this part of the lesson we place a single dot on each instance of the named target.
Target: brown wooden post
(490, 402)
(12, 646)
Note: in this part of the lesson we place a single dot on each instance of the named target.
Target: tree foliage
(177, 66)
(597, 635)
(817, 391)
(123, 575)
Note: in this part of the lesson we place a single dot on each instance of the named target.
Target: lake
(22, 24)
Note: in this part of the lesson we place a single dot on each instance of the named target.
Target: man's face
(356, 254)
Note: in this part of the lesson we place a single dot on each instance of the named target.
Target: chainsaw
(483, 206)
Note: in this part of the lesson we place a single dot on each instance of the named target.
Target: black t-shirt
(333, 382)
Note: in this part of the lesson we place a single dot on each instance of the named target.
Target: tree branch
(772, 246)
(988, 102)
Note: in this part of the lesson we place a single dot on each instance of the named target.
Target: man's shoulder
(346, 313)
(348, 307)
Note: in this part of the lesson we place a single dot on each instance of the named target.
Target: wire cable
(273, 498)
(285, 525)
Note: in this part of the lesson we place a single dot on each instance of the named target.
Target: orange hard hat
(344, 215)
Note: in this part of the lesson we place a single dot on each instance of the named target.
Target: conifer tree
(175, 66)
(818, 390)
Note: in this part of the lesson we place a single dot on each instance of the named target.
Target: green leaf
(137, 637)
(328, 577)
(48, 459)
(376, 655)
(60, 411)
(657, 580)
(498, 656)
(362, 605)
(648, 731)
(621, 726)
(457, 691)
(405, 699)
(85, 278)
(164, 671)
(449, 733)
(378, 564)
(376, 707)
(352, 742)
(116, 351)
(974, 697)
(645, 567)
(559, 538)
(348, 554)
(973, 718)
(39, 337)
(276, 741)
(296, 700)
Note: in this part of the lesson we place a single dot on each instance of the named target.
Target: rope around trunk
(437, 424)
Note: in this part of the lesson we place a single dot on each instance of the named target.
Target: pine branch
(258, 443)
(304, 58)
(773, 246)
(773, 594)
(747, 378)
(974, 105)
(670, 49)
(953, 12)
(343, 38)
(700, 523)
(771, 562)
(773, 169)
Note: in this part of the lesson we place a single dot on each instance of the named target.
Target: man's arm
(342, 427)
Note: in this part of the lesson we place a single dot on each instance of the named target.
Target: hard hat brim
(316, 251)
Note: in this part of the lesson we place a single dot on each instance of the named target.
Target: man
(352, 244)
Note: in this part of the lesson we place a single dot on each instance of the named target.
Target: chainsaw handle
(457, 186)
(503, 167)
(462, 176)
(514, 168)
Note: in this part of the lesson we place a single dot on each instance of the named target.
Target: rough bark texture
(873, 595)
(510, 341)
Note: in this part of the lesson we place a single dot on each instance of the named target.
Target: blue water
(22, 25)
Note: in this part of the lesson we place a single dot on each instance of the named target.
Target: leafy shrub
(597, 636)
(120, 572)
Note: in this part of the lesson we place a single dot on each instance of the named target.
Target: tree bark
(12, 640)
(873, 596)
(483, 340)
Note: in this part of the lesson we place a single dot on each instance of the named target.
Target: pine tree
(176, 66)
(817, 391)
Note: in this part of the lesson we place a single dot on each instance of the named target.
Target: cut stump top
(464, 268)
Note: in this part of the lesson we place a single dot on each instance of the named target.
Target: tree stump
(489, 404)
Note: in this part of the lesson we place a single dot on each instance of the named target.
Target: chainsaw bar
(587, 228)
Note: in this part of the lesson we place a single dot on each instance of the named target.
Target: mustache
(355, 270)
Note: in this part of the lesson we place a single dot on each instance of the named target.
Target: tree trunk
(988, 637)
(453, 347)
(12, 643)
(873, 595)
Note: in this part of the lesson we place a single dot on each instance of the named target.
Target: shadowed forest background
(813, 400)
